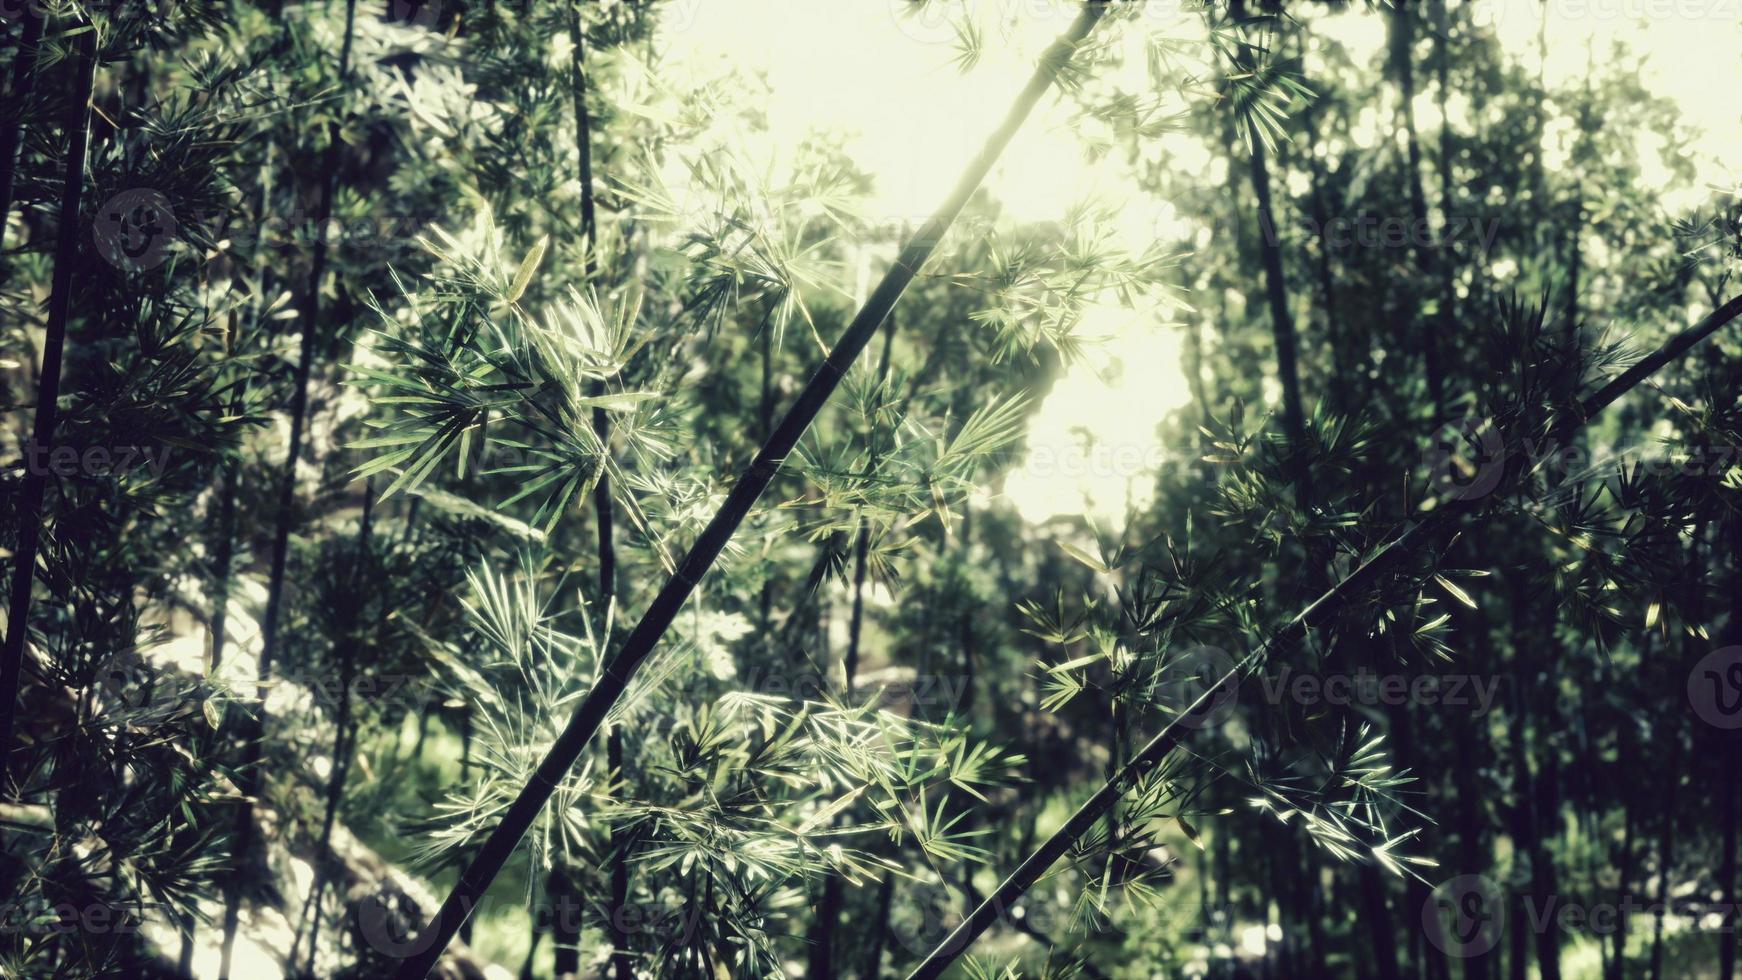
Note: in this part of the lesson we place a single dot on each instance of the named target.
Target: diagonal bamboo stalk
(66, 263)
(1413, 534)
(641, 641)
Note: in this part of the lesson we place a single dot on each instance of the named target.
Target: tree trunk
(344, 738)
(1472, 845)
(1425, 957)
(1618, 952)
(1281, 321)
(1402, 23)
(566, 928)
(1729, 744)
(253, 730)
(18, 95)
(1377, 912)
(1348, 368)
(1732, 790)
(66, 261)
(822, 939)
(1665, 854)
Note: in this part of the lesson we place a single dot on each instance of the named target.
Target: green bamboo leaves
(719, 779)
(465, 354)
(528, 267)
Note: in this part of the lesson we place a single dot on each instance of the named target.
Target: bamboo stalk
(646, 635)
(1413, 534)
(310, 316)
(566, 934)
(822, 934)
(66, 261)
(344, 742)
(12, 136)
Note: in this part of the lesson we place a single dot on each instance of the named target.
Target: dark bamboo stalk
(1276, 295)
(218, 625)
(1618, 954)
(862, 544)
(66, 262)
(1347, 370)
(822, 937)
(873, 967)
(1281, 322)
(226, 547)
(1403, 64)
(1447, 313)
(310, 315)
(344, 738)
(565, 929)
(1729, 747)
(665, 605)
(1413, 534)
(12, 136)
(1665, 853)
(225, 557)
(1732, 790)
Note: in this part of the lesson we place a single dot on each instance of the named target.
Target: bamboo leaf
(528, 266)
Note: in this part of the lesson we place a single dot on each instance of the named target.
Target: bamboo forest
(974, 489)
